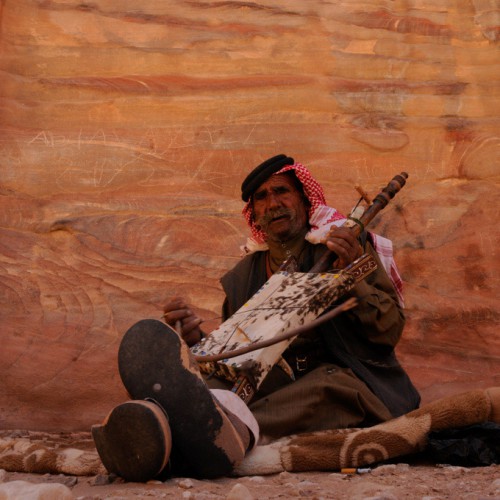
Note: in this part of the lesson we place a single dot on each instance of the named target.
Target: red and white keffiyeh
(321, 219)
(383, 247)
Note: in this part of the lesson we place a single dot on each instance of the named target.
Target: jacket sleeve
(378, 315)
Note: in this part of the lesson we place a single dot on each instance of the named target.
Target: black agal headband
(261, 173)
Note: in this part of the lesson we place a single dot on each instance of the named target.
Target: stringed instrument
(248, 344)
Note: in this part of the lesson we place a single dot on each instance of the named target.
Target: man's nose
(273, 201)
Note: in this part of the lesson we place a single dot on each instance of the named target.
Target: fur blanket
(74, 454)
(408, 434)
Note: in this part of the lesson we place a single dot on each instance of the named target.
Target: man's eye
(259, 196)
(281, 190)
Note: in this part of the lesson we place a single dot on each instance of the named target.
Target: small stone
(19, 434)
(3, 475)
(29, 491)
(306, 493)
(256, 479)
(68, 481)
(306, 483)
(383, 470)
(185, 484)
(101, 480)
(456, 468)
(187, 494)
(239, 492)
(403, 467)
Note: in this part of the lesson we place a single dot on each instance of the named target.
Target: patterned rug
(74, 453)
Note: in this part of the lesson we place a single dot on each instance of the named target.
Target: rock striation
(126, 130)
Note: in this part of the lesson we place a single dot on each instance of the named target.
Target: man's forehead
(275, 181)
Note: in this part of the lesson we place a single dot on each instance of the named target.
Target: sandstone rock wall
(127, 128)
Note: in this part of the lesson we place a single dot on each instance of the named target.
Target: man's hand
(343, 242)
(178, 315)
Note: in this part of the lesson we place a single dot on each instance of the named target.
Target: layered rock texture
(127, 128)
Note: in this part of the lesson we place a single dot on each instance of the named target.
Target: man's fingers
(172, 317)
(174, 304)
(346, 250)
(190, 324)
(188, 320)
(339, 246)
(342, 233)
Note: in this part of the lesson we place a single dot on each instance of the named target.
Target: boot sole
(134, 441)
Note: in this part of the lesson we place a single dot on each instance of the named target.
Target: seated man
(345, 372)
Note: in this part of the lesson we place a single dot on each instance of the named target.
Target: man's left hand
(343, 242)
(179, 315)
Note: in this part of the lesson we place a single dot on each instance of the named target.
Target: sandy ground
(386, 482)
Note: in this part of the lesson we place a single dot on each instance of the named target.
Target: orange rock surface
(127, 128)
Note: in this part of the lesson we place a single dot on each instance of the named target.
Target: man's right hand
(179, 315)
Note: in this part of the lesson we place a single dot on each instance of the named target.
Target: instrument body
(285, 301)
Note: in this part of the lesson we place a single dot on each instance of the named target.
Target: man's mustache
(264, 221)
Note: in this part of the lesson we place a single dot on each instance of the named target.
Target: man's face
(279, 208)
